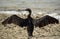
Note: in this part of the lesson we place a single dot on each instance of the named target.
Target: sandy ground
(12, 31)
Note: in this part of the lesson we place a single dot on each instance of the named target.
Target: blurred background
(33, 4)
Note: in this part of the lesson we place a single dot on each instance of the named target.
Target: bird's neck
(29, 15)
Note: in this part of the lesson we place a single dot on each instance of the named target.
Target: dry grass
(51, 31)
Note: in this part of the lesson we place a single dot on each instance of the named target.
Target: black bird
(28, 22)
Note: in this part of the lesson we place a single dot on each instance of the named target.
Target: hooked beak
(21, 10)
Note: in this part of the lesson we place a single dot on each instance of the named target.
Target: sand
(12, 31)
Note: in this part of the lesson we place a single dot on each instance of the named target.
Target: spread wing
(13, 19)
(45, 21)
